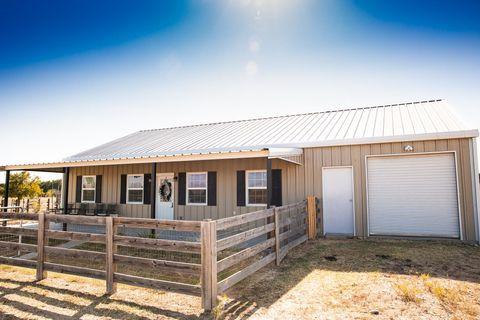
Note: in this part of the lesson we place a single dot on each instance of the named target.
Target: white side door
(165, 196)
(338, 211)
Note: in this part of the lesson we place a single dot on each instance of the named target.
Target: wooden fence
(281, 229)
(228, 250)
(42, 204)
(109, 242)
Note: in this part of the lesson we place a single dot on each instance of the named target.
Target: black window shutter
(78, 191)
(241, 188)
(182, 186)
(98, 189)
(276, 187)
(123, 188)
(212, 188)
(147, 186)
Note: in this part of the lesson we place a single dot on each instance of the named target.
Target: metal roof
(431, 119)
(280, 137)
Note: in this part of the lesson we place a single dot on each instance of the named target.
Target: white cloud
(251, 68)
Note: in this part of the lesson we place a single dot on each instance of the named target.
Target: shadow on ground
(439, 259)
(49, 302)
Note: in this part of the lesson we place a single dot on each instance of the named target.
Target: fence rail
(225, 251)
(289, 225)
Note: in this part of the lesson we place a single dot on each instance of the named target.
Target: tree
(52, 193)
(49, 185)
(2, 189)
(22, 185)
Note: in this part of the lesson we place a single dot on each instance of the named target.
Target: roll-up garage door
(414, 195)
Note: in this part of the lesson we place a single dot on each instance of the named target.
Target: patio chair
(111, 209)
(91, 207)
(72, 208)
(100, 210)
(83, 208)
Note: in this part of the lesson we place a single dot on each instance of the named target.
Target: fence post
(110, 251)
(312, 217)
(277, 235)
(41, 274)
(208, 238)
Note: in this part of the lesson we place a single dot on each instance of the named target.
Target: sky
(75, 74)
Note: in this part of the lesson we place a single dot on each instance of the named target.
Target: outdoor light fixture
(408, 148)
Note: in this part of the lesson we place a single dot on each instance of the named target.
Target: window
(88, 188)
(135, 188)
(197, 188)
(256, 188)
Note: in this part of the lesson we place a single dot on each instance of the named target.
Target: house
(395, 170)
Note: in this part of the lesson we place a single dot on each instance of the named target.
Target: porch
(204, 186)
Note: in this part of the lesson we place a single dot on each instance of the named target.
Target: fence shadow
(439, 259)
(27, 299)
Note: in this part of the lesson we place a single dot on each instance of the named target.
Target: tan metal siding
(292, 184)
(317, 158)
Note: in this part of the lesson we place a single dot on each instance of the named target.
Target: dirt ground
(323, 279)
(373, 279)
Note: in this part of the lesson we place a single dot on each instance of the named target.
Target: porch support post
(66, 173)
(153, 191)
(269, 182)
(7, 189)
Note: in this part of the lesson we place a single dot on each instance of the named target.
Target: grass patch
(408, 292)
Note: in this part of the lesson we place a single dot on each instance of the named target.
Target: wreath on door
(165, 191)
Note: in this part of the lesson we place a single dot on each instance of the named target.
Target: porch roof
(287, 154)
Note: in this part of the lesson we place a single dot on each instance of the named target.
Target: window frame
(142, 188)
(187, 188)
(247, 200)
(89, 189)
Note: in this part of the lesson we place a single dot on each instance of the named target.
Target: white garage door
(413, 196)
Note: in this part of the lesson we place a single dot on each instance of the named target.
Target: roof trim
(176, 158)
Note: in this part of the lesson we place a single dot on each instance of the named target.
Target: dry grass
(408, 292)
(375, 279)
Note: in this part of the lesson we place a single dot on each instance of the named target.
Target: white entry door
(165, 196)
(338, 212)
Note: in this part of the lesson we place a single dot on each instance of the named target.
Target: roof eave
(177, 158)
